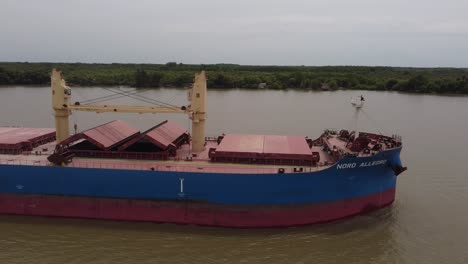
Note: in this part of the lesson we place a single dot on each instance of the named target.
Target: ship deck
(186, 161)
(180, 163)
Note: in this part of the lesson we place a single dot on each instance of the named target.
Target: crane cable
(136, 97)
(156, 101)
(381, 132)
(109, 97)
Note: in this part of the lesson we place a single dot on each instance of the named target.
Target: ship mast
(357, 103)
(60, 100)
(197, 98)
(197, 110)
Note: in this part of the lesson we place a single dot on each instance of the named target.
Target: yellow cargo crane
(196, 110)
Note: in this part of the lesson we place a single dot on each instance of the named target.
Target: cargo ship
(168, 174)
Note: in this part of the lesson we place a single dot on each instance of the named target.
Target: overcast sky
(427, 33)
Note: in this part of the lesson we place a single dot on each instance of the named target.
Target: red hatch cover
(106, 136)
(164, 135)
(16, 139)
(286, 147)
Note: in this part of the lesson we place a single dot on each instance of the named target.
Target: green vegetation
(420, 80)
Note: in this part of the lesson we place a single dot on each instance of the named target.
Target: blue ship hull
(352, 186)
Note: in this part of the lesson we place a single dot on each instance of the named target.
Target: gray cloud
(295, 32)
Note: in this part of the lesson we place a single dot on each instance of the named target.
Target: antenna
(357, 103)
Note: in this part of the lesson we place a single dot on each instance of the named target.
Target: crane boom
(128, 109)
(196, 110)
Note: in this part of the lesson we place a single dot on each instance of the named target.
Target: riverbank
(417, 80)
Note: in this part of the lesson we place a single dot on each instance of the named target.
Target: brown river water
(428, 223)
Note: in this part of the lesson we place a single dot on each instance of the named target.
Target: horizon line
(235, 64)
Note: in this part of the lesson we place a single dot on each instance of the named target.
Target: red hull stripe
(191, 212)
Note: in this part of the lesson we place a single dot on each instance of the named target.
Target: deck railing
(121, 154)
(148, 166)
(24, 162)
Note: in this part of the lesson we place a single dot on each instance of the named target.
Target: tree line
(171, 74)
